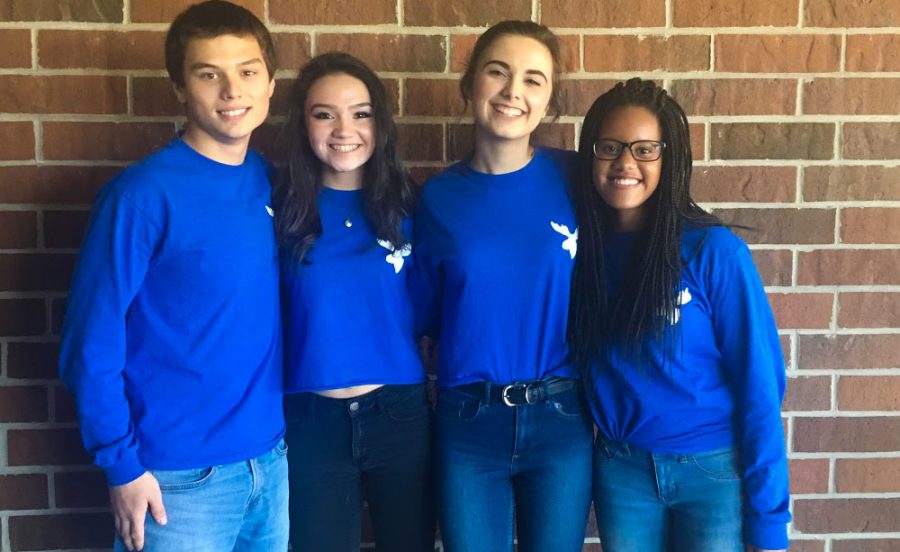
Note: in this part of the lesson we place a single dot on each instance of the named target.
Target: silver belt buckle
(529, 393)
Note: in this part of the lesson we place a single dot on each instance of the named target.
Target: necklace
(338, 206)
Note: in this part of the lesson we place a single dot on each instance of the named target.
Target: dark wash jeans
(500, 467)
(375, 446)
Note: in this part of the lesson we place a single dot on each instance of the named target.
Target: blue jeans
(376, 446)
(242, 506)
(500, 467)
(667, 502)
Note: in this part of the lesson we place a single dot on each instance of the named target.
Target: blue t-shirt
(722, 384)
(348, 316)
(172, 336)
(494, 257)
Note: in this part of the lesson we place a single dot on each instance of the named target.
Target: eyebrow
(202, 65)
(506, 66)
(330, 106)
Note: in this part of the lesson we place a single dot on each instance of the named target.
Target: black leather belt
(520, 393)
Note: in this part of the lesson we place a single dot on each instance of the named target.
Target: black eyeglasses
(641, 150)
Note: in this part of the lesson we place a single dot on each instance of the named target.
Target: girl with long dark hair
(671, 327)
(358, 423)
(496, 241)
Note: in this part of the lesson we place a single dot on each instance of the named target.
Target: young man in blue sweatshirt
(172, 339)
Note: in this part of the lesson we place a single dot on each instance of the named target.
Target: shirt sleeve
(424, 279)
(114, 259)
(751, 352)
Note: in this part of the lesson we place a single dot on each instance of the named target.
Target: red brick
(577, 96)
(787, 226)
(628, 53)
(420, 142)
(60, 531)
(154, 96)
(107, 11)
(66, 49)
(809, 475)
(807, 545)
(436, 97)
(80, 489)
(390, 52)
(871, 225)
(64, 229)
(869, 393)
(869, 310)
(773, 141)
(466, 13)
(606, 14)
(32, 360)
(265, 141)
(108, 141)
(57, 312)
(348, 12)
(282, 98)
(293, 49)
(734, 13)
(871, 141)
(35, 271)
(744, 184)
(18, 229)
(778, 53)
(865, 545)
(569, 52)
(807, 393)
(736, 96)
(21, 403)
(45, 447)
(83, 94)
(16, 50)
(786, 350)
(698, 141)
(801, 310)
(858, 183)
(49, 184)
(65, 409)
(421, 174)
(851, 96)
(837, 352)
(851, 13)
(858, 515)
(23, 492)
(20, 317)
(17, 138)
(848, 267)
(774, 266)
(165, 12)
(875, 53)
(857, 434)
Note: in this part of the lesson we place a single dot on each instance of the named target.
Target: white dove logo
(270, 211)
(570, 244)
(396, 256)
(683, 299)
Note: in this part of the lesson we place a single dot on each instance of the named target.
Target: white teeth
(234, 112)
(623, 181)
(509, 111)
(344, 148)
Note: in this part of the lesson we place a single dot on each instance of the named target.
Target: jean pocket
(406, 403)
(569, 404)
(456, 405)
(281, 448)
(719, 464)
(183, 480)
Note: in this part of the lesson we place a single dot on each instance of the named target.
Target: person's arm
(751, 353)
(424, 279)
(114, 259)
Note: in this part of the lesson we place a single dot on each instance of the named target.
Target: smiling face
(511, 88)
(624, 183)
(341, 128)
(226, 95)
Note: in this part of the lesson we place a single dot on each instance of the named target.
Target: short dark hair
(527, 29)
(389, 192)
(208, 20)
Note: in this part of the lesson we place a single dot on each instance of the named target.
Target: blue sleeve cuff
(766, 535)
(126, 470)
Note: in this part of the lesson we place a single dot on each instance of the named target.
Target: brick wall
(794, 110)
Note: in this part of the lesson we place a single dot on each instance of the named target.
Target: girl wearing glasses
(496, 242)
(670, 324)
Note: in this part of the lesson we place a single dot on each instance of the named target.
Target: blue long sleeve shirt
(723, 383)
(348, 317)
(494, 258)
(172, 337)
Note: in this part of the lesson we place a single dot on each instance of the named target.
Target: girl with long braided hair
(672, 331)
